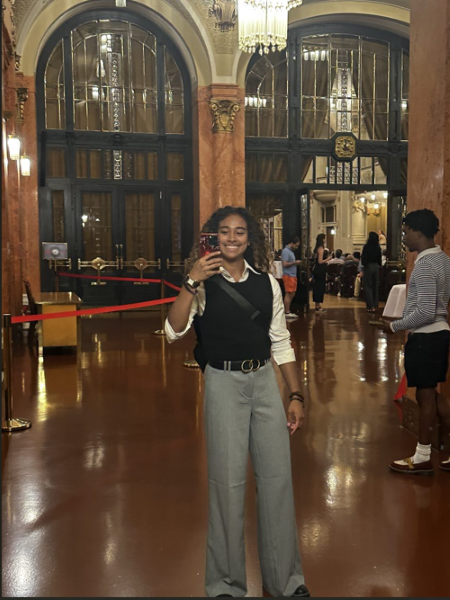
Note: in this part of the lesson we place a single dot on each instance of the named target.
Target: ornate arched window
(115, 152)
(331, 80)
(266, 97)
(344, 86)
(115, 74)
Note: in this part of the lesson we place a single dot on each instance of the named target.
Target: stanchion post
(9, 424)
(161, 331)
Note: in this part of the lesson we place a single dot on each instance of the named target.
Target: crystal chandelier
(264, 24)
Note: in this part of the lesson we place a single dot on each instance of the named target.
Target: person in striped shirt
(427, 349)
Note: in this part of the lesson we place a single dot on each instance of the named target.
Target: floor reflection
(106, 495)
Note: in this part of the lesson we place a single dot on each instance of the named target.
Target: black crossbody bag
(244, 304)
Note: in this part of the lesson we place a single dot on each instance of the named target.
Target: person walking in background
(371, 261)
(290, 264)
(319, 272)
(382, 240)
(427, 350)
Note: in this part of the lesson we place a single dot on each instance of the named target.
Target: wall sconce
(374, 209)
(25, 166)
(333, 231)
(14, 146)
(121, 3)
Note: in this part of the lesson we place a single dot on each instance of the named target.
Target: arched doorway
(115, 169)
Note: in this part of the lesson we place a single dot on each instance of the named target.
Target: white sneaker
(290, 316)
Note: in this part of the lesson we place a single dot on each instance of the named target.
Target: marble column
(219, 151)
(12, 247)
(20, 218)
(29, 206)
(358, 227)
(344, 229)
(429, 129)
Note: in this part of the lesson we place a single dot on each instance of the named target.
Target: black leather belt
(246, 366)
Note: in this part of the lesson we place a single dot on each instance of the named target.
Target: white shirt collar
(244, 275)
(434, 250)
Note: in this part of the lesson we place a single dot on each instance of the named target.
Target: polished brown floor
(106, 494)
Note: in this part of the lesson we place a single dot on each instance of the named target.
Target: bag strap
(249, 309)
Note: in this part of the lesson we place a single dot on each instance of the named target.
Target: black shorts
(426, 358)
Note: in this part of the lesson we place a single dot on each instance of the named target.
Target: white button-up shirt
(278, 332)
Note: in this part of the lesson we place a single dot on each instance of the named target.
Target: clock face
(345, 146)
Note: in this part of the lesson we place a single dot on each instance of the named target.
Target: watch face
(192, 282)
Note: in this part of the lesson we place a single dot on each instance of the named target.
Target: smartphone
(209, 242)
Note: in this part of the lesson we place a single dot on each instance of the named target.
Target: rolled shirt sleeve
(279, 334)
(171, 335)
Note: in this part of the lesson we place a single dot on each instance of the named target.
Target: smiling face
(233, 238)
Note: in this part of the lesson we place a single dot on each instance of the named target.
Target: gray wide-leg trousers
(245, 412)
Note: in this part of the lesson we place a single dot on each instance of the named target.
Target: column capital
(224, 112)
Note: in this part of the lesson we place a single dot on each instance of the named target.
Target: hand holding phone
(209, 242)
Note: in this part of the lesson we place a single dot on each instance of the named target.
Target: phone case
(209, 242)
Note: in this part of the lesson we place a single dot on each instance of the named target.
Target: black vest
(225, 331)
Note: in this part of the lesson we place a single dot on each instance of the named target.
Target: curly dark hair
(423, 220)
(257, 254)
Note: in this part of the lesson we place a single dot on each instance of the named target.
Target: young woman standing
(243, 406)
(319, 272)
(371, 261)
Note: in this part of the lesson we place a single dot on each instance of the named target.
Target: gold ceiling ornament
(224, 112)
(225, 13)
(263, 24)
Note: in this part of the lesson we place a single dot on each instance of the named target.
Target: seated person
(352, 259)
(338, 259)
(358, 280)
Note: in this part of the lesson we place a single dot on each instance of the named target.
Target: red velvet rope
(90, 311)
(105, 278)
(174, 287)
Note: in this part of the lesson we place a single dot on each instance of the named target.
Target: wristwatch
(191, 282)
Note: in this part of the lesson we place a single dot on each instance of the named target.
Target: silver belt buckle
(252, 365)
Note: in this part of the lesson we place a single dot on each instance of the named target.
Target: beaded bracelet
(296, 396)
(189, 289)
